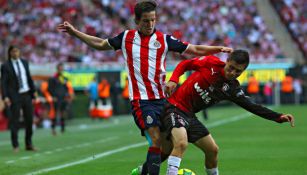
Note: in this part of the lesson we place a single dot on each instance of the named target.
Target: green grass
(248, 146)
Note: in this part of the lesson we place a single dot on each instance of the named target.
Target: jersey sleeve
(187, 65)
(245, 102)
(175, 44)
(116, 42)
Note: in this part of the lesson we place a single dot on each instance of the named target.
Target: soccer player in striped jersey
(145, 50)
(212, 82)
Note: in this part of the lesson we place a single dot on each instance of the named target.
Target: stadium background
(273, 31)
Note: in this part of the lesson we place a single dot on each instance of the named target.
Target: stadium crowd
(294, 14)
(232, 23)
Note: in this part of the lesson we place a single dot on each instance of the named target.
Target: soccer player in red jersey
(212, 82)
(145, 51)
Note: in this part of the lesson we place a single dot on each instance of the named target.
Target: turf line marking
(97, 156)
(63, 149)
(74, 128)
(114, 151)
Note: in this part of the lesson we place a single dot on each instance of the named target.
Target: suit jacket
(9, 81)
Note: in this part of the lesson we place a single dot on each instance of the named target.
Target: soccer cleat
(137, 171)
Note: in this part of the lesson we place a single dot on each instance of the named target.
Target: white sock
(173, 164)
(212, 171)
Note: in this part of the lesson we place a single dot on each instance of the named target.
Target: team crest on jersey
(149, 119)
(225, 87)
(157, 44)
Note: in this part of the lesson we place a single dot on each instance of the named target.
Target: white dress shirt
(25, 85)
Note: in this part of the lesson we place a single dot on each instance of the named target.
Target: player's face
(15, 53)
(233, 70)
(146, 24)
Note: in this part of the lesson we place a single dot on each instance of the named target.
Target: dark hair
(11, 47)
(144, 7)
(239, 56)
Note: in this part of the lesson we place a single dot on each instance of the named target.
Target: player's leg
(210, 148)
(166, 149)
(153, 158)
(180, 141)
(146, 115)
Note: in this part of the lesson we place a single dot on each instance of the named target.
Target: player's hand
(169, 88)
(7, 102)
(226, 50)
(286, 118)
(66, 27)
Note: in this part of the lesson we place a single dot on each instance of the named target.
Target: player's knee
(213, 151)
(181, 145)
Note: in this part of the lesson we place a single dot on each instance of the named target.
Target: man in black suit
(17, 92)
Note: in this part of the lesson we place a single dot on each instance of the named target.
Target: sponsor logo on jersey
(202, 93)
(173, 119)
(212, 71)
(225, 87)
(149, 119)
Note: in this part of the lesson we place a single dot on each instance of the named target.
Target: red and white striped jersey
(145, 61)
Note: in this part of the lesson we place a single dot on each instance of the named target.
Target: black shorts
(173, 117)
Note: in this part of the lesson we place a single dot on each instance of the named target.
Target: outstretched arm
(201, 50)
(95, 42)
(244, 101)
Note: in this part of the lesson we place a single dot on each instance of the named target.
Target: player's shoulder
(213, 60)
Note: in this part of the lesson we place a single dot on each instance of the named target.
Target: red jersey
(208, 86)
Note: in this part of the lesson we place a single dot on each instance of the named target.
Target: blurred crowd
(294, 14)
(233, 23)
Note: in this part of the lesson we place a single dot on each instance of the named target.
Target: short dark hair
(144, 7)
(11, 47)
(239, 56)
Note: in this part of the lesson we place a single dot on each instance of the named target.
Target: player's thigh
(206, 144)
(179, 136)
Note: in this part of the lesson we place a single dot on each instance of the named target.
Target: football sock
(212, 171)
(153, 160)
(144, 169)
(173, 164)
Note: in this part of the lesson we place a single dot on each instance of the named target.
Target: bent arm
(92, 41)
(206, 50)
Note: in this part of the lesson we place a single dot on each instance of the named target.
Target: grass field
(249, 145)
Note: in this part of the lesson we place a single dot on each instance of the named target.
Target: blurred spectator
(92, 93)
(253, 88)
(287, 89)
(125, 95)
(298, 90)
(235, 23)
(104, 90)
(268, 92)
(60, 89)
(293, 14)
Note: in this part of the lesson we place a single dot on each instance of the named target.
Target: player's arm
(200, 50)
(92, 41)
(244, 101)
(181, 68)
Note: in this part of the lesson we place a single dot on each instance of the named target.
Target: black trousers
(24, 104)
